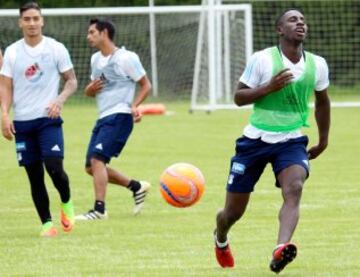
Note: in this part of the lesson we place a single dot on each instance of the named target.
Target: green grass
(166, 241)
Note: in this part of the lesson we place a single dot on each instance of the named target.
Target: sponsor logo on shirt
(33, 73)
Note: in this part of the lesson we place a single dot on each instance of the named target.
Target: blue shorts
(109, 137)
(252, 155)
(38, 139)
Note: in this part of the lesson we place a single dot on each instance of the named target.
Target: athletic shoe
(282, 255)
(223, 255)
(140, 195)
(92, 215)
(48, 230)
(67, 217)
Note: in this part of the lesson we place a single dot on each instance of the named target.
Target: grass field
(165, 241)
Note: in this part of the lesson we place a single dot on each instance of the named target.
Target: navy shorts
(252, 156)
(38, 139)
(109, 137)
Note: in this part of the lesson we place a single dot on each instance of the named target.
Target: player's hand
(94, 87)
(316, 150)
(54, 109)
(280, 80)
(7, 127)
(136, 114)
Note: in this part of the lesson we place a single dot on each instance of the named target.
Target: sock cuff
(220, 244)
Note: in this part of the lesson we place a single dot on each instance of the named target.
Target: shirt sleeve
(322, 74)
(92, 77)
(63, 59)
(252, 75)
(8, 63)
(132, 67)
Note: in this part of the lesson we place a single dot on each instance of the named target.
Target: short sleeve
(92, 61)
(253, 73)
(322, 74)
(132, 66)
(63, 58)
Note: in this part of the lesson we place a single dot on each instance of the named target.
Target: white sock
(220, 244)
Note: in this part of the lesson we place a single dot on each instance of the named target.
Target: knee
(54, 167)
(293, 190)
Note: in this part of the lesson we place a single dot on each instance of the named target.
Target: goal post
(224, 44)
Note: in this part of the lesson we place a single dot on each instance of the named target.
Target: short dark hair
(28, 6)
(104, 24)
(279, 18)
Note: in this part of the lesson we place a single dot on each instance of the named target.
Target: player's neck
(108, 49)
(33, 41)
(292, 51)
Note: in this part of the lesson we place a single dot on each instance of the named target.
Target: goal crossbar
(129, 10)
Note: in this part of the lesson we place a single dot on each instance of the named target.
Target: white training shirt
(119, 72)
(258, 71)
(35, 72)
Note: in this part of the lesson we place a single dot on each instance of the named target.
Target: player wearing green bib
(279, 82)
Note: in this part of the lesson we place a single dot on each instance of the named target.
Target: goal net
(334, 33)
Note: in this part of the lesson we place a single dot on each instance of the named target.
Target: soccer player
(114, 75)
(30, 79)
(279, 81)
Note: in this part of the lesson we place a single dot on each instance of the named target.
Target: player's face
(31, 23)
(94, 36)
(293, 26)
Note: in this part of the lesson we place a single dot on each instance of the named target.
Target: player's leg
(114, 137)
(51, 142)
(245, 170)
(291, 169)
(94, 166)
(29, 156)
(100, 180)
(291, 181)
(235, 207)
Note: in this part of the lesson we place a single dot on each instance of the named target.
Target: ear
(19, 23)
(106, 33)
(279, 30)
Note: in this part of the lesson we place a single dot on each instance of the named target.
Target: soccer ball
(182, 185)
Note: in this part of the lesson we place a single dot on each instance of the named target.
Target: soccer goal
(224, 44)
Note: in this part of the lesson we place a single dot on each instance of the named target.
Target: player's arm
(70, 86)
(93, 87)
(322, 117)
(143, 92)
(6, 98)
(245, 95)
